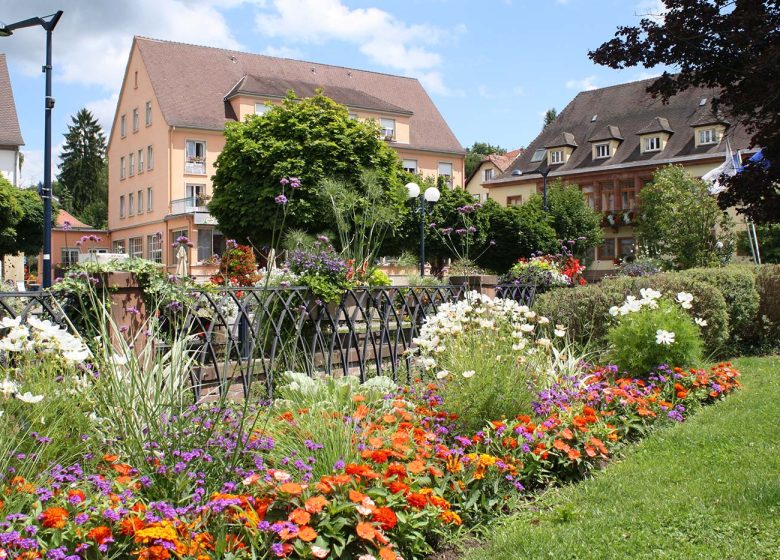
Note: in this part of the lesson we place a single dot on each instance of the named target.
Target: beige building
(489, 168)
(168, 131)
(609, 141)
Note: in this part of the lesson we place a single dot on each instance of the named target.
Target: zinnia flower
(54, 518)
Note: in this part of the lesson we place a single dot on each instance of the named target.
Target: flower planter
(482, 283)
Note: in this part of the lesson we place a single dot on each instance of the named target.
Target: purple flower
(66, 225)
(281, 200)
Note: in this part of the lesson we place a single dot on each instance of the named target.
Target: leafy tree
(21, 220)
(680, 222)
(549, 117)
(311, 139)
(83, 178)
(729, 44)
(477, 152)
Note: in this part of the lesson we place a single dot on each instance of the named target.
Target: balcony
(195, 166)
(195, 205)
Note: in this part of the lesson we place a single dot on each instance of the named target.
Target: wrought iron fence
(42, 305)
(521, 293)
(249, 333)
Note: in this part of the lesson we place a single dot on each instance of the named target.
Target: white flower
(701, 322)
(543, 320)
(614, 310)
(544, 342)
(469, 373)
(649, 293)
(29, 398)
(560, 332)
(8, 387)
(442, 374)
(7, 322)
(664, 337)
(527, 328)
(685, 299)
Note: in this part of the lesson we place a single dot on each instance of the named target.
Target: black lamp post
(544, 172)
(431, 195)
(48, 23)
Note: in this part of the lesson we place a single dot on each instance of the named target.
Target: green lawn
(708, 488)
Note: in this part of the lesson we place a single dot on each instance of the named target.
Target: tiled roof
(634, 111)
(191, 83)
(501, 161)
(278, 88)
(10, 134)
(65, 216)
(561, 139)
(609, 132)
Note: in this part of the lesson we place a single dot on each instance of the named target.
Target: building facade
(168, 131)
(489, 168)
(609, 142)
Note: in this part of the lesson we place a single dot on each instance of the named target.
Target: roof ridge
(142, 37)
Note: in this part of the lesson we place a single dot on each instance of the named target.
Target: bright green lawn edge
(707, 488)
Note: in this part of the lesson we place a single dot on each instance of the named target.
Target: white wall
(8, 165)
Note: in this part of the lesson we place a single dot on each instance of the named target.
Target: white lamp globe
(413, 190)
(432, 194)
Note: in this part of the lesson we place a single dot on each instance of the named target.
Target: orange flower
(574, 454)
(156, 552)
(386, 553)
(366, 531)
(315, 504)
(129, 526)
(360, 412)
(385, 517)
(450, 517)
(99, 535)
(418, 501)
(123, 469)
(54, 518)
(358, 398)
(395, 469)
(307, 534)
(416, 467)
(355, 496)
(299, 516)
(292, 488)
(566, 434)
(110, 458)
(398, 487)
(389, 419)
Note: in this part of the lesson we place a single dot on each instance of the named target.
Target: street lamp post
(544, 173)
(431, 195)
(48, 23)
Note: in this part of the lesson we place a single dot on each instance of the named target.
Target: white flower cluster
(487, 315)
(649, 299)
(42, 336)
(8, 387)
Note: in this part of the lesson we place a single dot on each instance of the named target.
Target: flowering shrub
(490, 355)
(548, 271)
(237, 266)
(322, 270)
(655, 330)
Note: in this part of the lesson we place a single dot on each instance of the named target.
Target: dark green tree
(549, 117)
(477, 152)
(733, 45)
(570, 216)
(11, 212)
(83, 180)
(21, 220)
(311, 139)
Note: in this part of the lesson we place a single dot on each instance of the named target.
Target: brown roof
(501, 161)
(65, 216)
(191, 83)
(278, 88)
(561, 139)
(609, 132)
(634, 111)
(10, 134)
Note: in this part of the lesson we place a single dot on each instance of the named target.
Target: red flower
(385, 517)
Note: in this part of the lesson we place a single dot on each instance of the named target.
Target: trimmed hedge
(585, 309)
(737, 283)
(766, 333)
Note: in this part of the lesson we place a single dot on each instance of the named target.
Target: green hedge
(766, 334)
(737, 283)
(585, 309)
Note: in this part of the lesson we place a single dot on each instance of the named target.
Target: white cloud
(282, 52)
(104, 110)
(585, 84)
(378, 34)
(32, 169)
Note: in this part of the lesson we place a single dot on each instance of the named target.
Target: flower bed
(412, 480)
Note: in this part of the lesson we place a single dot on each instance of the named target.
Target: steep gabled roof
(561, 139)
(191, 83)
(609, 132)
(634, 111)
(500, 161)
(10, 133)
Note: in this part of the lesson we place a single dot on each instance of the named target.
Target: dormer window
(652, 144)
(261, 108)
(708, 136)
(538, 155)
(556, 156)
(387, 128)
(603, 150)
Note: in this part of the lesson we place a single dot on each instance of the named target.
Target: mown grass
(707, 488)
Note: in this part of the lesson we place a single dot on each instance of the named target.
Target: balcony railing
(188, 205)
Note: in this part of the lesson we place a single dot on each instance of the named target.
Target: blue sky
(492, 66)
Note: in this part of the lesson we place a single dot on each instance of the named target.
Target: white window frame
(387, 128)
(189, 160)
(708, 136)
(603, 150)
(448, 177)
(140, 195)
(148, 113)
(149, 199)
(118, 246)
(131, 204)
(122, 206)
(652, 144)
(69, 255)
(123, 126)
(261, 108)
(154, 248)
(538, 155)
(131, 164)
(140, 161)
(408, 168)
(149, 158)
(121, 168)
(136, 119)
(131, 249)
(487, 174)
(556, 156)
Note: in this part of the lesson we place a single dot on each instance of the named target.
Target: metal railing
(188, 205)
(38, 304)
